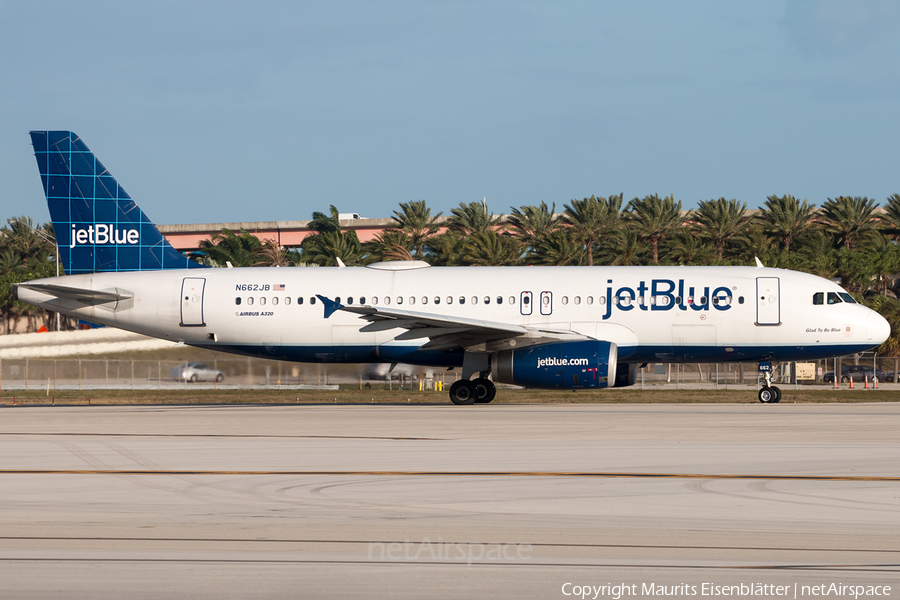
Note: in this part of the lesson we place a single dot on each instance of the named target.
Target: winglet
(758, 262)
(330, 305)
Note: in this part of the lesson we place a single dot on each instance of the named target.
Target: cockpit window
(848, 298)
(834, 298)
(819, 298)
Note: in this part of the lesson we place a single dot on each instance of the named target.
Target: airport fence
(250, 373)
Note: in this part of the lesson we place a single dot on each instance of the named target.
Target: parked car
(890, 377)
(857, 373)
(196, 372)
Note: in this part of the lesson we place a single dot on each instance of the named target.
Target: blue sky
(251, 111)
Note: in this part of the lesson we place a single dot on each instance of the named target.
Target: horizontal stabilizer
(80, 294)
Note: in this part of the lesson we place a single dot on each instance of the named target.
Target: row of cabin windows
(625, 301)
(833, 298)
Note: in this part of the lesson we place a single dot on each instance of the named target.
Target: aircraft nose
(877, 328)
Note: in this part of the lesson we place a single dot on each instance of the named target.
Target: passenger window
(500, 300)
(424, 299)
(640, 300)
(437, 299)
(602, 300)
(337, 299)
(615, 300)
(702, 300)
(487, 299)
(250, 301)
(590, 300)
(299, 300)
(565, 300)
(275, 301)
(577, 299)
(819, 298)
(237, 301)
(652, 300)
(462, 300)
(287, 301)
(262, 301)
(412, 299)
(512, 299)
(362, 300)
(387, 300)
(399, 299)
(677, 299)
(312, 300)
(474, 300)
(449, 299)
(374, 300)
(740, 299)
(349, 299)
(834, 298)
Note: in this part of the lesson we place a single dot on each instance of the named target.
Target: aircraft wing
(448, 332)
(82, 295)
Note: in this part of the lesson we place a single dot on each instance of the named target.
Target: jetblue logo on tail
(101, 233)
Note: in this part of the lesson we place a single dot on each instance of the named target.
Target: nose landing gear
(768, 393)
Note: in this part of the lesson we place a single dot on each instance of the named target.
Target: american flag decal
(278, 287)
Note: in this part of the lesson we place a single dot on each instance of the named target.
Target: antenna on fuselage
(758, 262)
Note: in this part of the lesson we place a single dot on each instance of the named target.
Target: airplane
(538, 327)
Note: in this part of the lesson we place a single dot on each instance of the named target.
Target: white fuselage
(653, 314)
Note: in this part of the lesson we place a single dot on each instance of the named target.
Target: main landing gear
(478, 391)
(768, 393)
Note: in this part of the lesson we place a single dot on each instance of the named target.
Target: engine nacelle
(564, 365)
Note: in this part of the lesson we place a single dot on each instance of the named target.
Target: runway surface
(457, 502)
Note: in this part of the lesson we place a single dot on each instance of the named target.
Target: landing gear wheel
(768, 395)
(463, 392)
(485, 390)
(777, 391)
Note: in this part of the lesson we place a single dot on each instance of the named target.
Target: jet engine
(587, 364)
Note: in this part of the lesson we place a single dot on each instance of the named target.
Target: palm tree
(323, 223)
(655, 219)
(690, 250)
(785, 218)
(446, 248)
(324, 249)
(590, 218)
(558, 249)
(719, 221)
(533, 224)
(415, 220)
(270, 254)
(241, 250)
(488, 248)
(31, 244)
(891, 217)
(471, 218)
(390, 244)
(753, 242)
(850, 219)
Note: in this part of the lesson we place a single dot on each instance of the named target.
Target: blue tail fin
(98, 226)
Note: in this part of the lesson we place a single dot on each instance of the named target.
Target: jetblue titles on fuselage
(665, 294)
